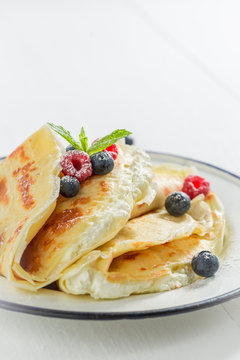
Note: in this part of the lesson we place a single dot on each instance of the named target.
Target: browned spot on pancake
(104, 186)
(61, 199)
(16, 171)
(83, 200)
(87, 182)
(167, 244)
(166, 191)
(210, 196)
(3, 191)
(26, 168)
(143, 268)
(19, 151)
(131, 256)
(171, 254)
(90, 209)
(24, 185)
(24, 182)
(58, 223)
(209, 235)
(45, 241)
(18, 229)
(128, 227)
(31, 265)
(194, 236)
(2, 238)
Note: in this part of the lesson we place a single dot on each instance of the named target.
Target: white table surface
(166, 70)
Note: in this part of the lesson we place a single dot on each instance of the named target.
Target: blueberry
(129, 140)
(205, 264)
(177, 203)
(102, 163)
(69, 186)
(70, 147)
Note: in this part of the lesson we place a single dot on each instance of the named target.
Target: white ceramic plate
(203, 293)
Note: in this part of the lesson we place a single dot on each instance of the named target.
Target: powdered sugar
(76, 163)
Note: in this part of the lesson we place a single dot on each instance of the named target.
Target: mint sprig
(83, 140)
(97, 146)
(107, 141)
(65, 134)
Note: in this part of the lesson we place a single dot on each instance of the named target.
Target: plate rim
(93, 315)
(132, 315)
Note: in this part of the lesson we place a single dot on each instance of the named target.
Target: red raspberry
(76, 163)
(194, 185)
(112, 150)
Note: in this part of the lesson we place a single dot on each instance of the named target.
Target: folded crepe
(114, 238)
(152, 252)
(40, 236)
(29, 187)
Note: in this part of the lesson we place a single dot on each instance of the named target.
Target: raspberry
(77, 164)
(112, 150)
(194, 185)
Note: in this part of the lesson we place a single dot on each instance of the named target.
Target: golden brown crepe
(77, 225)
(29, 187)
(87, 242)
(151, 253)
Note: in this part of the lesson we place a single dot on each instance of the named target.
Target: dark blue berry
(129, 140)
(177, 203)
(69, 186)
(205, 264)
(102, 163)
(70, 147)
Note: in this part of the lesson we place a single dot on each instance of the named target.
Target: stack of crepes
(114, 238)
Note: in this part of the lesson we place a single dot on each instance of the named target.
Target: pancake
(83, 223)
(152, 252)
(29, 187)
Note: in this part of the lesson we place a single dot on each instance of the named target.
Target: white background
(166, 70)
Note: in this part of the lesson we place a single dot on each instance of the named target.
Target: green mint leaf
(107, 141)
(82, 133)
(83, 140)
(65, 134)
(84, 144)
